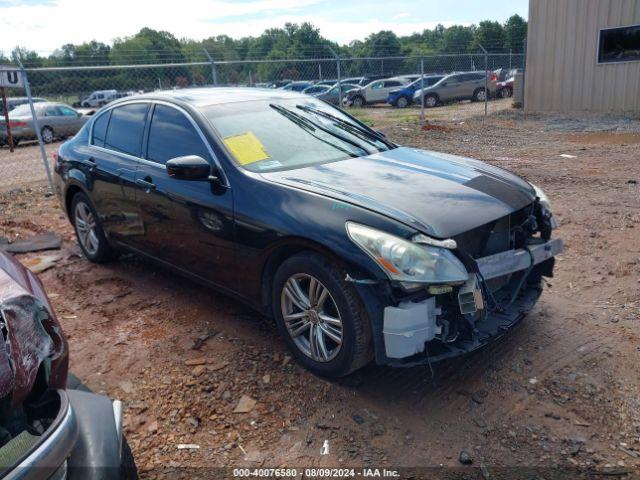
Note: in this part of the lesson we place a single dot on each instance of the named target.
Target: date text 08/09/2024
(315, 473)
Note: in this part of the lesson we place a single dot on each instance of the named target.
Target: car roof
(206, 96)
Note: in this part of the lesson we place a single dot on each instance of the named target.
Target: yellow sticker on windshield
(246, 147)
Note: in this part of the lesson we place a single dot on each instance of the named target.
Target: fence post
(337, 57)
(422, 89)
(486, 79)
(34, 119)
(214, 75)
(524, 72)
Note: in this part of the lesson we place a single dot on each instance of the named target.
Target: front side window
(172, 135)
(289, 133)
(377, 85)
(619, 44)
(100, 129)
(126, 127)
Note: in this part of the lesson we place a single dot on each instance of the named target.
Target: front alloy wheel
(402, 102)
(320, 315)
(312, 317)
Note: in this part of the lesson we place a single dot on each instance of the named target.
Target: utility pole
(214, 74)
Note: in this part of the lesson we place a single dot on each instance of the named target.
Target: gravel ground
(561, 390)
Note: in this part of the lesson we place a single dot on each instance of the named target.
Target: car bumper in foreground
(83, 442)
(503, 288)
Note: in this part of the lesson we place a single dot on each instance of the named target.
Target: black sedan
(359, 248)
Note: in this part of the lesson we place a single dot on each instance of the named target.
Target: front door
(187, 223)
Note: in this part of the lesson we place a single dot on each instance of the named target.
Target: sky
(44, 25)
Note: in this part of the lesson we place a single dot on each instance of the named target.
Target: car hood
(436, 193)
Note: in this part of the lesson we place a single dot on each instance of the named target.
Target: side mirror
(189, 167)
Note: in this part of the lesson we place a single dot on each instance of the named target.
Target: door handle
(148, 186)
(91, 163)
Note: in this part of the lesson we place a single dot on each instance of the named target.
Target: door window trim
(152, 104)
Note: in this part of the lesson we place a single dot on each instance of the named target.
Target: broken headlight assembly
(542, 197)
(410, 263)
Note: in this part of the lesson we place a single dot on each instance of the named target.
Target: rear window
(126, 128)
(100, 129)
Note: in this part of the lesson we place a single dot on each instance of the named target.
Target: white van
(99, 98)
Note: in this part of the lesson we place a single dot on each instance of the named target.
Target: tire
(128, 468)
(91, 237)
(431, 100)
(358, 102)
(47, 134)
(479, 95)
(505, 92)
(402, 102)
(86, 105)
(340, 303)
(101, 104)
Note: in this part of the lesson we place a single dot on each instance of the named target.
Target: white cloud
(47, 27)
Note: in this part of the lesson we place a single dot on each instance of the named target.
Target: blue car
(403, 97)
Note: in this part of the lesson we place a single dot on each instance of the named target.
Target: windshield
(282, 134)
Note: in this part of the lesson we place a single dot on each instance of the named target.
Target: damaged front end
(504, 260)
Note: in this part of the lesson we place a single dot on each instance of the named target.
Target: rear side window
(172, 135)
(392, 83)
(100, 129)
(126, 128)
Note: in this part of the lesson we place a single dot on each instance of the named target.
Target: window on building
(619, 44)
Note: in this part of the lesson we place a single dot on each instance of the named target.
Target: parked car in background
(375, 92)
(56, 120)
(314, 89)
(505, 89)
(297, 86)
(99, 98)
(328, 83)
(359, 248)
(457, 86)
(14, 102)
(403, 97)
(48, 430)
(280, 83)
(332, 95)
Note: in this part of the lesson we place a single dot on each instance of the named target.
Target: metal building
(583, 55)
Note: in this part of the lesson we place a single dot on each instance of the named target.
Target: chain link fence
(89, 88)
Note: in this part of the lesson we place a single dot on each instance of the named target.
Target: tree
(456, 39)
(490, 35)
(515, 31)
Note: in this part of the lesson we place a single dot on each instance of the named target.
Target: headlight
(406, 261)
(544, 200)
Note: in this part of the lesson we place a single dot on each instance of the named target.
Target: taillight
(54, 157)
(17, 124)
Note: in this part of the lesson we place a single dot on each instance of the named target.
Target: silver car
(332, 95)
(56, 120)
(375, 92)
(457, 86)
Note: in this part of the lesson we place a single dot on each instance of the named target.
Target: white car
(374, 92)
(99, 98)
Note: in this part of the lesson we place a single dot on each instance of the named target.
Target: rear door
(187, 223)
(113, 154)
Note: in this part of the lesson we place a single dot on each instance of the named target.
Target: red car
(505, 89)
(48, 430)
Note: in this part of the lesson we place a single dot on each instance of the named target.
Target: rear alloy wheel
(430, 101)
(480, 95)
(321, 316)
(47, 134)
(89, 232)
(402, 102)
(358, 102)
(506, 92)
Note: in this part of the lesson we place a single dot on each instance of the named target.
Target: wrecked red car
(47, 430)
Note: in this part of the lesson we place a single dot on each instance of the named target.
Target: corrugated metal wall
(562, 73)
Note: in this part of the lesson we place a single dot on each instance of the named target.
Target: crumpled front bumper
(409, 327)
